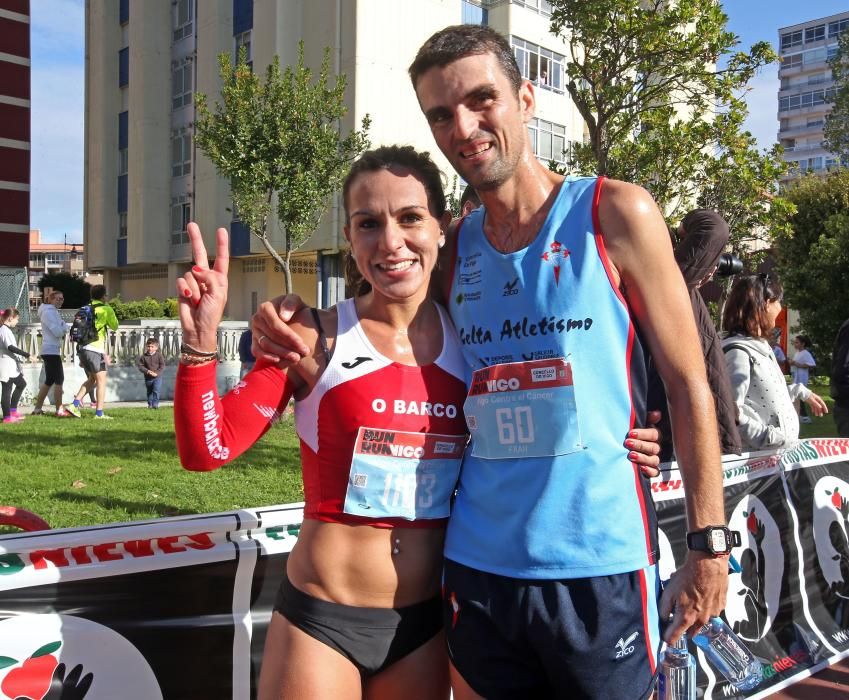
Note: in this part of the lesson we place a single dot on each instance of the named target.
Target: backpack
(83, 329)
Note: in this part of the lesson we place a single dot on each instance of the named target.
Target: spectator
(703, 235)
(767, 417)
(840, 379)
(469, 201)
(801, 365)
(152, 365)
(53, 330)
(780, 357)
(93, 357)
(12, 381)
(245, 355)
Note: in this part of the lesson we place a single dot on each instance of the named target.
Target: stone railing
(127, 343)
(124, 381)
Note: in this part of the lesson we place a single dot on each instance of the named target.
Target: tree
(813, 258)
(279, 139)
(660, 113)
(76, 290)
(836, 129)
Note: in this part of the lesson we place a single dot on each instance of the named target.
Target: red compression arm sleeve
(213, 431)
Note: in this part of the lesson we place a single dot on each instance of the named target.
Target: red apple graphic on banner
(752, 521)
(32, 679)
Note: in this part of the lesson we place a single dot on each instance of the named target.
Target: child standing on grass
(10, 367)
(152, 365)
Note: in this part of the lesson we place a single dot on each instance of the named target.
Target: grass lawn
(86, 472)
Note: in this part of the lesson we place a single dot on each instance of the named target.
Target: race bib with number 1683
(399, 474)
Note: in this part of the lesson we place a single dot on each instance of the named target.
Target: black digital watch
(715, 540)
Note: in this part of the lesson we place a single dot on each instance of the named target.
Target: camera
(729, 264)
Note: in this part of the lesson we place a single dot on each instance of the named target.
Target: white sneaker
(103, 417)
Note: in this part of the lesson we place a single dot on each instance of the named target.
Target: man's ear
(527, 100)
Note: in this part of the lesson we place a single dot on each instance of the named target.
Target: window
(806, 99)
(837, 28)
(181, 154)
(55, 258)
(548, 140)
(181, 84)
(36, 260)
(123, 67)
(815, 33)
(814, 123)
(123, 162)
(244, 39)
(539, 65)
(815, 55)
(832, 52)
(794, 59)
(124, 11)
(473, 13)
(791, 39)
(181, 215)
(183, 15)
(122, 225)
(541, 6)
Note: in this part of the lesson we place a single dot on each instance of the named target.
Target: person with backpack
(767, 418)
(89, 331)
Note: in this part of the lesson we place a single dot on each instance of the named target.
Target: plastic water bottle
(677, 677)
(729, 655)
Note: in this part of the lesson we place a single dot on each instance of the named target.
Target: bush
(144, 308)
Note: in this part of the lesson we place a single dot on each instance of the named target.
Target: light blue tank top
(576, 506)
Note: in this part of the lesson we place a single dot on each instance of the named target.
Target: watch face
(718, 541)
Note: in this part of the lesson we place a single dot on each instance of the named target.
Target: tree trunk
(287, 272)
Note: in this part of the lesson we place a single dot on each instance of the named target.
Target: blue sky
(58, 47)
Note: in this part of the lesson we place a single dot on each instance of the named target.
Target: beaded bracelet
(189, 350)
(192, 359)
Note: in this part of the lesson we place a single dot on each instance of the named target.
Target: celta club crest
(831, 511)
(556, 254)
(755, 592)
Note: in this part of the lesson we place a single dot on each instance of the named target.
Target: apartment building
(48, 258)
(806, 91)
(14, 132)
(145, 179)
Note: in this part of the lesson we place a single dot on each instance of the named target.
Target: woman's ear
(346, 230)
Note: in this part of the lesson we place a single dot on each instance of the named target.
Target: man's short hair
(98, 291)
(470, 195)
(151, 341)
(461, 40)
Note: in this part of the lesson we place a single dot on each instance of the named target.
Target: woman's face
(798, 344)
(13, 321)
(394, 236)
(773, 308)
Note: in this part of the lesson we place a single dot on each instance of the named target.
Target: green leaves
(813, 256)
(661, 111)
(836, 129)
(279, 143)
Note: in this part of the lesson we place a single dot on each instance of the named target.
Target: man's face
(58, 300)
(477, 120)
(151, 348)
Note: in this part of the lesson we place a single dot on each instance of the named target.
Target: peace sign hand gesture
(203, 292)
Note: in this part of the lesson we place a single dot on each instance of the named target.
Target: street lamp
(73, 254)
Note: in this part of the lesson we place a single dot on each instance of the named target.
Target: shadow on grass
(140, 507)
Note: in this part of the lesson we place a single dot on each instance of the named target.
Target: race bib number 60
(523, 409)
(399, 474)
